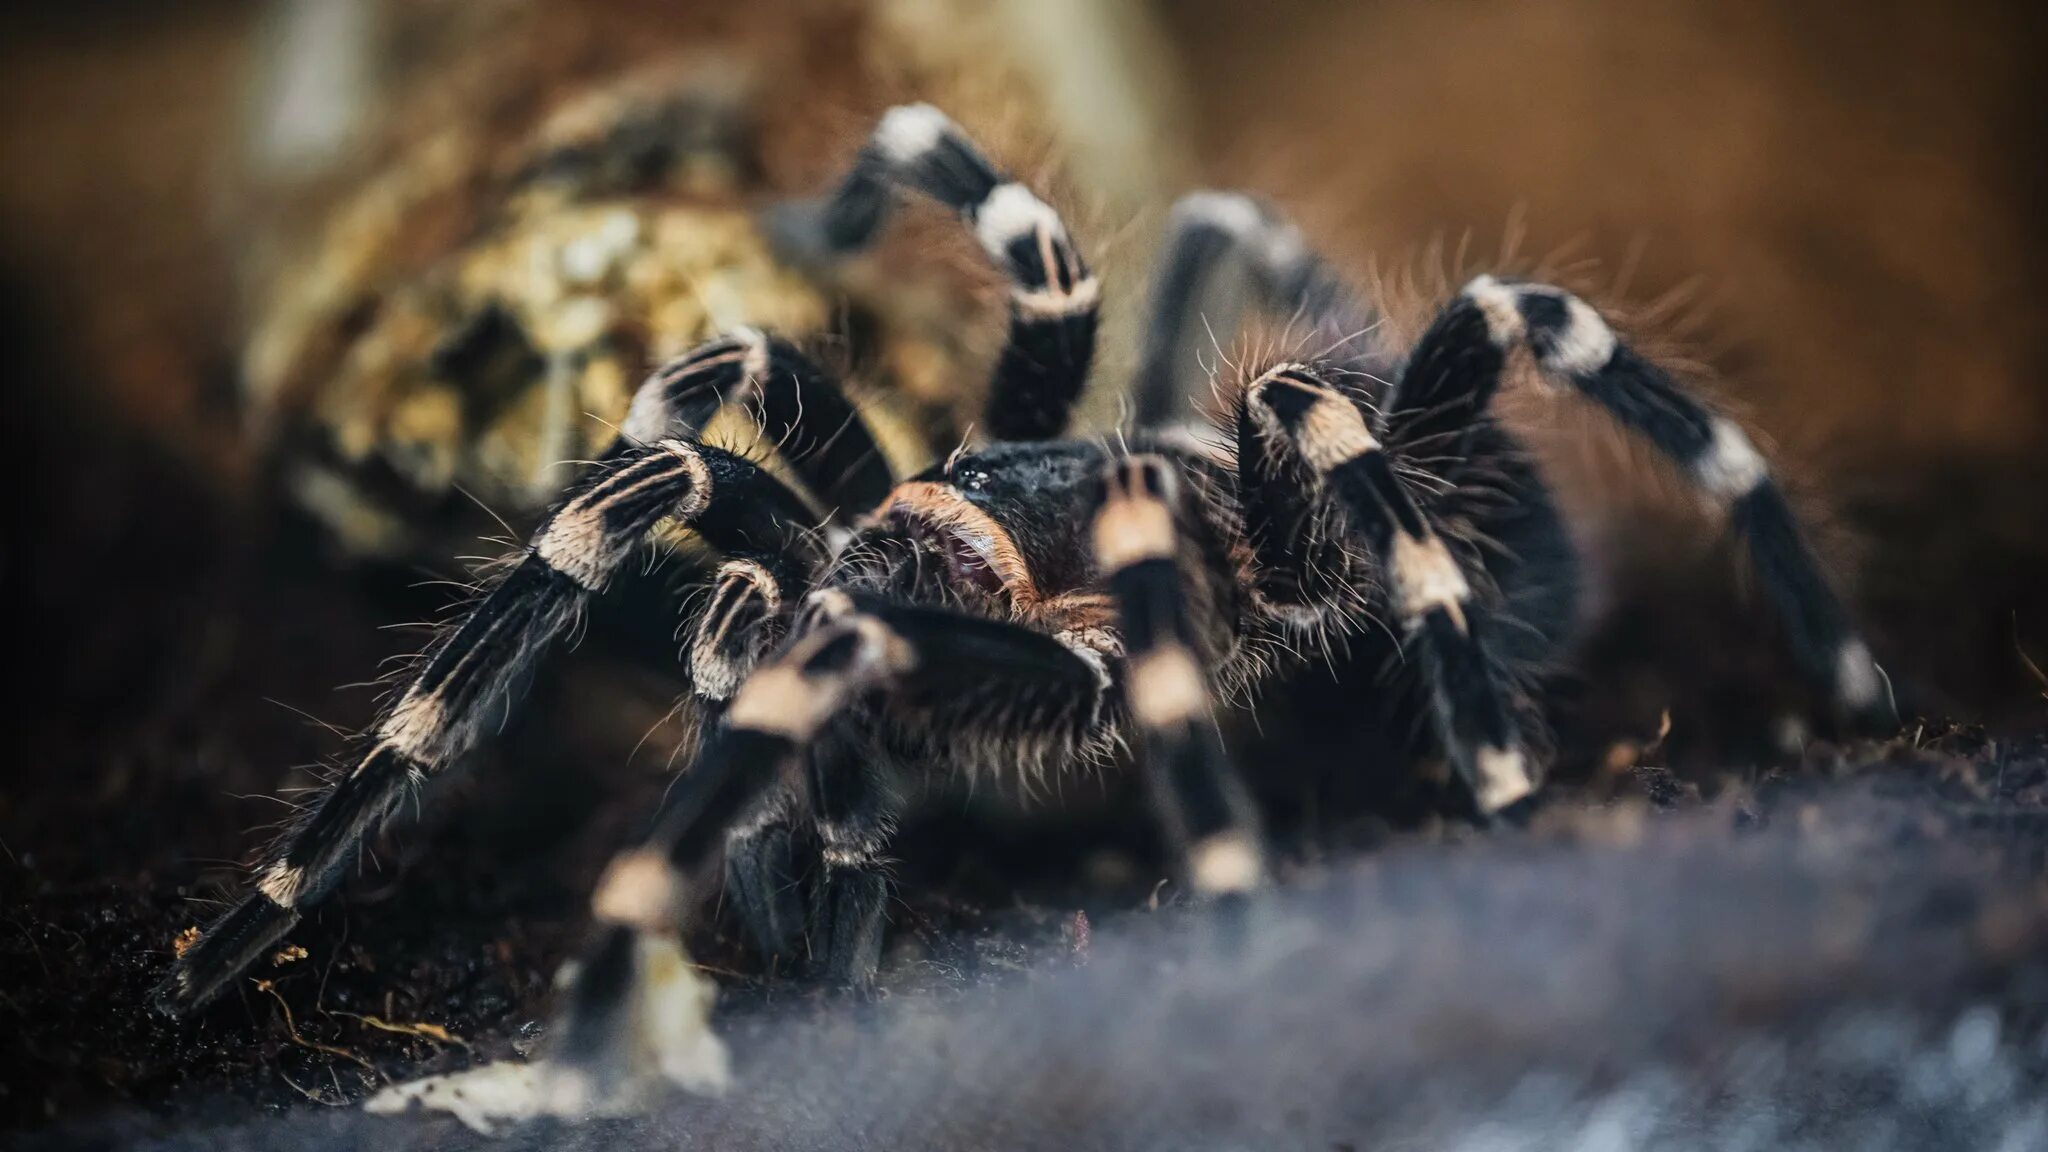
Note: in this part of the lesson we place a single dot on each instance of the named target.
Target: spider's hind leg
(1456, 369)
(1210, 234)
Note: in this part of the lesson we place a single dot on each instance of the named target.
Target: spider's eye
(970, 479)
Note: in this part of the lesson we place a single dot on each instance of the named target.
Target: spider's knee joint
(1135, 520)
(1567, 335)
(1327, 429)
(746, 597)
(794, 696)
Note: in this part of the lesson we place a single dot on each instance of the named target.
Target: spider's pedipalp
(747, 597)
(1054, 296)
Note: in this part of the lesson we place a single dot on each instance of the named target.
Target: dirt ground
(1847, 946)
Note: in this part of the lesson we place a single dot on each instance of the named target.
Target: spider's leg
(744, 621)
(855, 810)
(1327, 432)
(644, 895)
(801, 408)
(1053, 295)
(976, 679)
(1208, 232)
(1010, 678)
(1456, 369)
(467, 682)
(1208, 815)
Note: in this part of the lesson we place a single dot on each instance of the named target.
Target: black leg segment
(1202, 802)
(1053, 295)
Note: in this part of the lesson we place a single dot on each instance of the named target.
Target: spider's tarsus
(846, 928)
(224, 951)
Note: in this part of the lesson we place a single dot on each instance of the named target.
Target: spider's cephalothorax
(1045, 602)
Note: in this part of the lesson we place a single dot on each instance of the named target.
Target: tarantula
(1043, 601)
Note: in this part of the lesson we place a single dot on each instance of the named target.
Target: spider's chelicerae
(1043, 602)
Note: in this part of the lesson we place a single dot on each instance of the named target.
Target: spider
(1045, 602)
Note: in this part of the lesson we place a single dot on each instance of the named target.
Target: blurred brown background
(1846, 195)
(1847, 190)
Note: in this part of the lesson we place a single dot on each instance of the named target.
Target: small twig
(432, 1032)
(309, 1094)
(292, 1029)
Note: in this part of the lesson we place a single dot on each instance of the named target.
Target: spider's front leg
(467, 682)
(1143, 549)
(631, 1014)
(929, 664)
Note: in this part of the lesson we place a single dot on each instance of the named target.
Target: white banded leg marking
(1276, 245)
(1167, 686)
(1426, 577)
(1503, 777)
(1132, 527)
(1013, 212)
(1731, 467)
(642, 890)
(908, 131)
(1329, 433)
(1226, 863)
(1052, 303)
(416, 726)
(1858, 682)
(653, 412)
(715, 669)
(1501, 305)
(282, 883)
(1585, 344)
(791, 699)
(1581, 346)
(576, 541)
